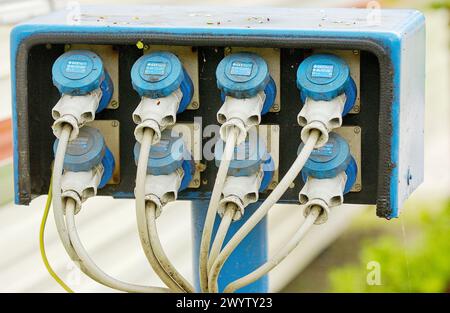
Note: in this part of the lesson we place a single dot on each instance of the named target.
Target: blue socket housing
(87, 151)
(324, 77)
(330, 160)
(79, 72)
(168, 155)
(244, 74)
(271, 93)
(158, 74)
(247, 159)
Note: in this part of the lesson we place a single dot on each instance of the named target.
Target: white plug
(242, 191)
(321, 115)
(81, 185)
(162, 189)
(241, 113)
(156, 114)
(325, 192)
(76, 111)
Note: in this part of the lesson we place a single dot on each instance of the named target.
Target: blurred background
(412, 253)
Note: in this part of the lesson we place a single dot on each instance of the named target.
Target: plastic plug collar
(162, 189)
(321, 115)
(241, 113)
(242, 191)
(76, 111)
(156, 114)
(81, 185)
(326, 193)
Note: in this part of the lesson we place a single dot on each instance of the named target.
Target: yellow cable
(42, 245)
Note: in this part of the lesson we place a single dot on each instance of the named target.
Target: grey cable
(141, 217)
(58, 211)
(224, 225)
(158, 250)
(213, 205)
(91, 269)
(279, 256)
(262, 211)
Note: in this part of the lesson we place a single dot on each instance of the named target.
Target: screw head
(357, 130)
(114, 104)
(194, 105)
(115, 123)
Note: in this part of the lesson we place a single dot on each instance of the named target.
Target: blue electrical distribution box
(391, 86)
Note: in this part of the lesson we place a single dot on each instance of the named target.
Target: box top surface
(231, 18)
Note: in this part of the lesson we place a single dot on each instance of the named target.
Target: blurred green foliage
(6, 183)
(443, 4)
(421, 267)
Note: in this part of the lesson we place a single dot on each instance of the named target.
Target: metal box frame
(396, 40)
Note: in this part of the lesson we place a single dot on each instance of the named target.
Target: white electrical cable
(91, 269)
(58, 210)
(213, 205)
(141, 217)
(262, 211)
(279, 256)
(224, 225)
(94, 272)
(159, 251)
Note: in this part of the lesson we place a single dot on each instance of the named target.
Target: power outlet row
(192, 132)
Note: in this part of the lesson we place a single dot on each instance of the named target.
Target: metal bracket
(192, 136)
(271, 133)
(353, 136)
(110, 130)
